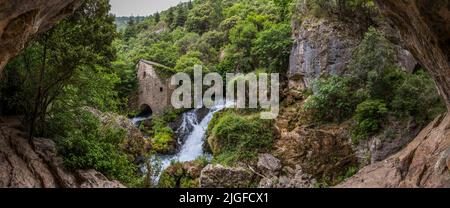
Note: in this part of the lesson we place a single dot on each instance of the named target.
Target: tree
(283, 7)
(170, 17)
(273, 46)
(190, 5)
(157, 17)
(203, 17)
(181, 17)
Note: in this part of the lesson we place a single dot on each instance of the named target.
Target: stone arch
(145, 111)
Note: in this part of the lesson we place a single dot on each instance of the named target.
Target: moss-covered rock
(182, 175)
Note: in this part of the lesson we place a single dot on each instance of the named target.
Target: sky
(140, 7)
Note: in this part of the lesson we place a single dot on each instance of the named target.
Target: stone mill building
(155, 90)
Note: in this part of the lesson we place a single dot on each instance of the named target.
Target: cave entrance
(146, 111)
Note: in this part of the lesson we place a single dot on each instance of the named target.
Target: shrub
(182, 175)
(93, 146)
(163, 136)
(417, 96)
(369, 116)
(239, 138)
(333, 101)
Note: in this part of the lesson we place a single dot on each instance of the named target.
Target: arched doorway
(146, 111)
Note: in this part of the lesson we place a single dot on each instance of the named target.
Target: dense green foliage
(377, 89)
(90, 145)
(234, 137)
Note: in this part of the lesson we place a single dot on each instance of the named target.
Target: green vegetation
(182, 175)
(234, 137)
(163, 136)
(376, 92)
(90, 145)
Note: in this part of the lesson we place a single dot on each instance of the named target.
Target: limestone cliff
(326, 46)
(21, 20)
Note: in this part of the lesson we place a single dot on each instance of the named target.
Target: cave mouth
(146, 111)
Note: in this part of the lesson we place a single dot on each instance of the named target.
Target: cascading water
(193, 134)
(137, 120)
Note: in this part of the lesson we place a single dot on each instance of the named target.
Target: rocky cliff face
(424, 27)
(21, 20)
(320, 47)
(326, 46)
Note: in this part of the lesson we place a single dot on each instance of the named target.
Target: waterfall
(137, 120)
(193, 134)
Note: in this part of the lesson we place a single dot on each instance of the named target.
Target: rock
(420, 164)
(21, 20)
(94, 179)
(268, 165)
(325, 151)
(182, 175)
(218, 176)
(297, 179)
(394, 139)
(325, 46)
(320, 47)
(135, 143)
(22, 166)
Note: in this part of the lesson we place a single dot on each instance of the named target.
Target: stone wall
(154, 89)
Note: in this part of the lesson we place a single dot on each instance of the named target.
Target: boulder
(324, 152)
(218, 176)
(289, 179)
(268, 165)
(135, 143)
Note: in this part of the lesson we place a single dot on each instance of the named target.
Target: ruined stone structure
(154, 88)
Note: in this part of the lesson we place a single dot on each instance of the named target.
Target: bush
(182, 175)
(273, 47)
(369, 116)
(333, 101)
(417, 97)
(239, 138)
(163, 136)
(93, 146)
